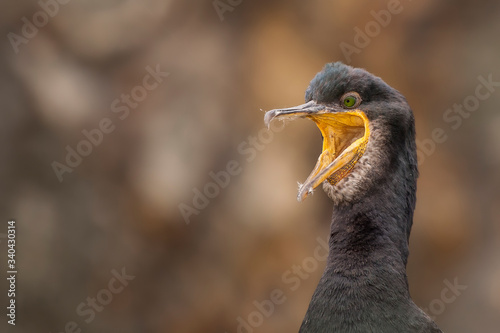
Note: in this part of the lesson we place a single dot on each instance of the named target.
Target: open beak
(345, 136)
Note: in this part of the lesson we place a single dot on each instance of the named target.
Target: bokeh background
(120, 208)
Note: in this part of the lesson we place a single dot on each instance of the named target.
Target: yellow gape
(345, 136)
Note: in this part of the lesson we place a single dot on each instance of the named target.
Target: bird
(368, 168)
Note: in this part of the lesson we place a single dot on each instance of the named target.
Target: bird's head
(367, 129)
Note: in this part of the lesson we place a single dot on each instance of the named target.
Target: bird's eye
(351, 100)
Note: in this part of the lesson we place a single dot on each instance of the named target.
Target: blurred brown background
(120, 208)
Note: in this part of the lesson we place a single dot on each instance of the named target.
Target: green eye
(350, 101)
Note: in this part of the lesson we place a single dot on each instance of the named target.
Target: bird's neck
(365, 277)
(374, 230)
(371, 231)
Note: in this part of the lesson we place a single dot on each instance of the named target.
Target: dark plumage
(364, 287)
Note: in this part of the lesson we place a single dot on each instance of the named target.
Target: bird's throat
(366, 266)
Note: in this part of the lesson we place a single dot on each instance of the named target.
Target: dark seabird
(368, 168)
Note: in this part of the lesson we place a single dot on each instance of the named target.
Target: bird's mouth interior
(345, 136)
